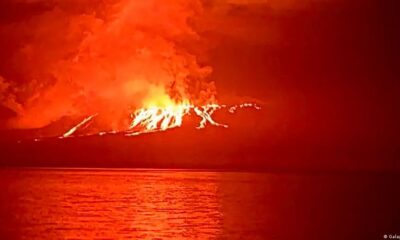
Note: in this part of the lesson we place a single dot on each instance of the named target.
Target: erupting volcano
(108, 60)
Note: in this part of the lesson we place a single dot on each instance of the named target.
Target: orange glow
(106, 57)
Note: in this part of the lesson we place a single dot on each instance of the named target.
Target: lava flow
(156, 119)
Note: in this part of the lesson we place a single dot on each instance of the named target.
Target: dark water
(139, 204)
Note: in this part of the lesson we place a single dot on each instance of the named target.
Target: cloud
(67, 59)
(75, 57)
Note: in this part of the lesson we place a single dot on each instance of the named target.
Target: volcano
(182, 147)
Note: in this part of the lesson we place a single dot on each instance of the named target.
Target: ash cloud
(76, 57)
(71, 58)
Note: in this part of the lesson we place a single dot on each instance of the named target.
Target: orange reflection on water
(116, 205)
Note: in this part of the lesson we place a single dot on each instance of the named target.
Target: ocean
(194, 204)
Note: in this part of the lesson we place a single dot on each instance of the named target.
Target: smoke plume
(75, 58)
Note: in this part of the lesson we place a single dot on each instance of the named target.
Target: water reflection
(76, 204)
(113, 204)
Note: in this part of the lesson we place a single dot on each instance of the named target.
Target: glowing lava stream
(156, 119)
(79, 125)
